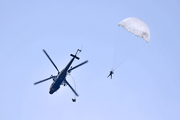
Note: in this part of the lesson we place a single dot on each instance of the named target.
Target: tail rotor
(80, 50)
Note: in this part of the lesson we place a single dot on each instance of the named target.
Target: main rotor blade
(71, 88)
(50, 60)
(77, 66)
(43, 80)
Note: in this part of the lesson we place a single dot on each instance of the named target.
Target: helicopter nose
(50, 92)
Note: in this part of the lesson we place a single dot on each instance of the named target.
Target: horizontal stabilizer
(74, 56)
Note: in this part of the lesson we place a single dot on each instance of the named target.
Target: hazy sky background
(145, 87)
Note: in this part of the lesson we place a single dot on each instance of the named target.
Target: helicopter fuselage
(60, 78)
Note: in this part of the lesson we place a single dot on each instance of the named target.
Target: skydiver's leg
(109, 75)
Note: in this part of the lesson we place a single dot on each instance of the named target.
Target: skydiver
(110, 74)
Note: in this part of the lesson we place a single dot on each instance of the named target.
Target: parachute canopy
(137, 27)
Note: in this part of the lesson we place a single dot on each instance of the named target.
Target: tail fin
(74, 56)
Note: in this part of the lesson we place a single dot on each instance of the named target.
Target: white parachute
(126, 45)
(137, 27)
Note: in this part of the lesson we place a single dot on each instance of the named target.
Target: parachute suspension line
(121, 51)
(130, 52)
(115, 50)
(121, 54)
(126, 50)
(122, 48)
(118, 50)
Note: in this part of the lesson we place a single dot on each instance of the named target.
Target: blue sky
(145, 87)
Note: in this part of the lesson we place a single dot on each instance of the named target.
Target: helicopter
(60, 78)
